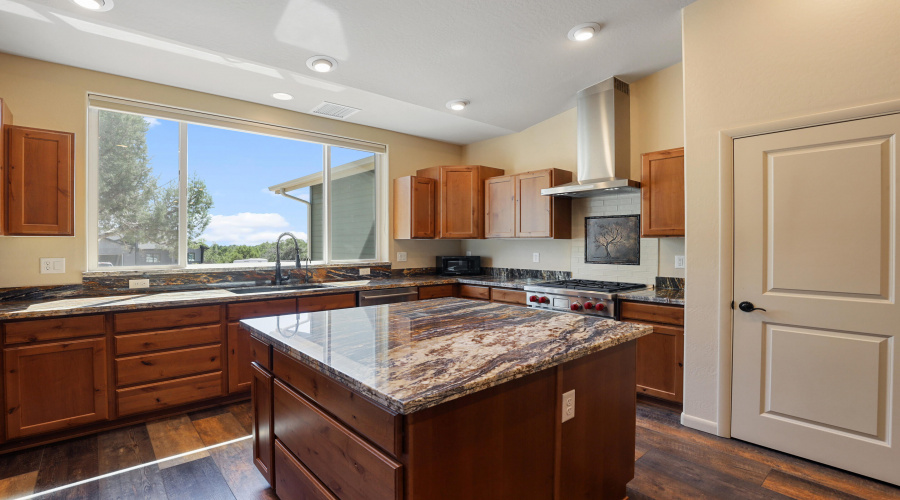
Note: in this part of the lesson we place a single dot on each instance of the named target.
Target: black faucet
(279, 278)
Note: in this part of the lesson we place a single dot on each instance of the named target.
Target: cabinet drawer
(149, 367)
(342, 460)
(475, 292)
(165, 318)
(516, 297)
(654, 313)
(165, 394)
(19, 332)
(246, 310)
(326, 302)
(168, 339)
(294, 481)
(261, 353)
(368, 418)
(435, 292)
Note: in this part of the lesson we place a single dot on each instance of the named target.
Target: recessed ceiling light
(281, 96)
(321, 64)
(95, 5)
(457, 104)
(583, 32)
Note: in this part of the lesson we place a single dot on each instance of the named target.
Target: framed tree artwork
(612, 239)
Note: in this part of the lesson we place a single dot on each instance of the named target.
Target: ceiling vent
(332, 110)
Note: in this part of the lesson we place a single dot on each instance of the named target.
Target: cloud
(151, 121)
(247, 228)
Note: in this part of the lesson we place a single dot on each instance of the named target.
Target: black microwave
(459, 266)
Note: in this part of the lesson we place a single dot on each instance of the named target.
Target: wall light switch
(144, 283)
(535, 257)
(468, 253)
(401, 256)
(53, 266)
(364, 271)
(679, 262)
(568, 405)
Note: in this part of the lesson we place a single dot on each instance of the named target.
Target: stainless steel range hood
(604, 142)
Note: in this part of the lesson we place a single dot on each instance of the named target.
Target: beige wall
(53, 96)
(657, 122)
(748, 63)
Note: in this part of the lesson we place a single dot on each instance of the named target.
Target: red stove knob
(600, 307)
(533, 298)
(544, 300)
(588, 305)
(575, 307)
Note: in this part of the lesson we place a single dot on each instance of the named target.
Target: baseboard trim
(701, 424)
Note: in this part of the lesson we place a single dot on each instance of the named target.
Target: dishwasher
(387, 296)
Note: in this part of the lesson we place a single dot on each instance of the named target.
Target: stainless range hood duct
(604, 142)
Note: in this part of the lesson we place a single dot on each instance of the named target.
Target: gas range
(595, 298)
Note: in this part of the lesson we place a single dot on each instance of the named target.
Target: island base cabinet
(263, 438)
(293, 481)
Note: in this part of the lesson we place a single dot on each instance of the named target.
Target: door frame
(725, 313)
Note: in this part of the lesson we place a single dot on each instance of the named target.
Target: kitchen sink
(275, 288)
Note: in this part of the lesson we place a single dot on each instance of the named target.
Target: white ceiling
(399, 61)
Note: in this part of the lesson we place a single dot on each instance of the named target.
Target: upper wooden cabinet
(515, 208)
(662, 193)
(459, 206)
(6, 119)
(39, 181)
(414, 202)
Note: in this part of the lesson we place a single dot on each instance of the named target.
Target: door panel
(815, 246)
(534, 210)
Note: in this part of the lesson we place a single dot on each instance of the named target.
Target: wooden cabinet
(414, 202)
(508, 296)
(459, 201)
(660, 355)
(263, 437)
(40, 182)
(476, 292)
(6, 120)
(240, 375)
(437, 291)
(515, 208)
(55, 386)
(662, 193)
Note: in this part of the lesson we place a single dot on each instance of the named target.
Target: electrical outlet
(568, 405)
(535, 257)
(679, 262)
(468, 253)
(364, 271)
(53, 266)
(401, 256)
(144, 283)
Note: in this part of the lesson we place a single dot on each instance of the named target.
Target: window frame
(184, 117)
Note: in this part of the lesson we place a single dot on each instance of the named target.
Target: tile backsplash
(613, 203)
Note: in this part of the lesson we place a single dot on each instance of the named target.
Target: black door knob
(749, 307)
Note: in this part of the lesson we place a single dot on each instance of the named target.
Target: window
(172, 188)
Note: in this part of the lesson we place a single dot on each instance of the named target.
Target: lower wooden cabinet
(263, 437)
(437, 291)
(55, 386)
(508, 296)
(162, 395)
(293, 481)
(660, 355)
(476, 292)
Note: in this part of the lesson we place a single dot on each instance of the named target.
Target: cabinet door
(55, 386)
(535, 211)
(263, 438)
(662, 193)
(422, 208)
(40, 180)
(461, 192)
(660, 363)
(500, 207)
(239, 374)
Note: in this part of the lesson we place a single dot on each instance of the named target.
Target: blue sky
(238, 167)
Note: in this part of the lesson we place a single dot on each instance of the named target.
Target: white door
(815, 225)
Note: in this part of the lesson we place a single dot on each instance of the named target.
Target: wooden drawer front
(262, 308)
(654, 313)
(19, 332)
(326, 302)
(366, 417)
(151, 397)
(293, 481)
(660, 363)
(516, 297)
(260, 353)
(475, 292)
(435, 292)
(149, 367)
(168, 339)
(343, 461)
(165, 318)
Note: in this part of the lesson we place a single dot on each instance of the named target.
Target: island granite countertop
(414, 355)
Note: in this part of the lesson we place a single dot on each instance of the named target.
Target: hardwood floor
(672, 462)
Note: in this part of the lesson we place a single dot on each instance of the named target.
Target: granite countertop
(659, 296)
(133, 302)
(414, 355)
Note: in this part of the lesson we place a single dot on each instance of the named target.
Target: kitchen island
(444, 398)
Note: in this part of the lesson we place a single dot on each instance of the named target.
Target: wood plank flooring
(671, 462)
